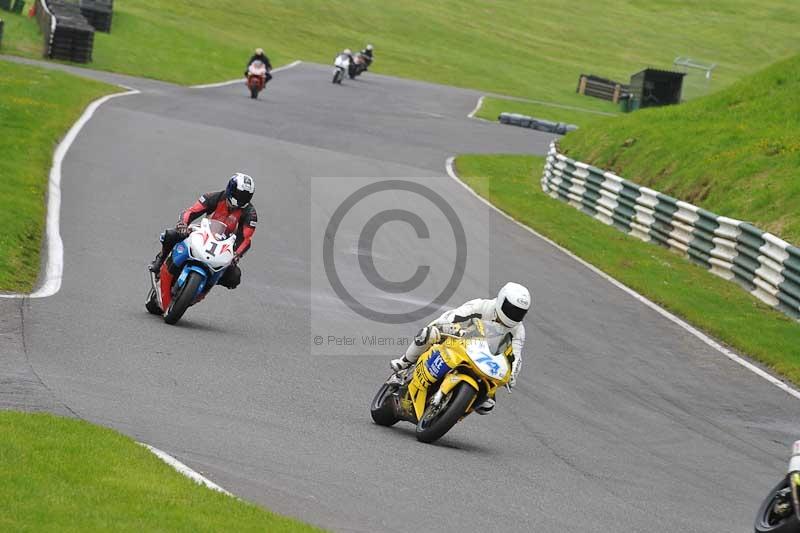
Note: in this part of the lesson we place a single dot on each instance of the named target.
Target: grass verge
(718, 307)
(37, 107)
(735, 153)
(522, 48)
(59, 474)
(492, 107)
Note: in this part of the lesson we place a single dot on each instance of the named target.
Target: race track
(622, 421)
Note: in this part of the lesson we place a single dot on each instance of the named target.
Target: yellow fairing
(454, 354)
(418, 387)
(453, 379)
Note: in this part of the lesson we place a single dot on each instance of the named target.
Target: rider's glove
(427, 335)
(182, 228)
(236, 259)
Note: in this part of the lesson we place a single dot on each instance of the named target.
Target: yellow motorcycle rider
(508, 309)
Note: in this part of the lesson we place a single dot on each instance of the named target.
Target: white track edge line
(54, 269)
(239, 80)
(185, 470)
(652, 305)
(477, 107)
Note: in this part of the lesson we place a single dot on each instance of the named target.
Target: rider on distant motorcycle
(508, 310)
(259, 56)
(367, 52)
(232, 207)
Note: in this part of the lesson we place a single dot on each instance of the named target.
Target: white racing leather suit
(478, 308)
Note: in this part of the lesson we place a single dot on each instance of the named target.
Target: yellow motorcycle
(447, 380)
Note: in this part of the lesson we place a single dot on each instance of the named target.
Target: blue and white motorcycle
(198, 262)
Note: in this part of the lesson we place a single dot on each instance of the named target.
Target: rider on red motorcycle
(259, 56)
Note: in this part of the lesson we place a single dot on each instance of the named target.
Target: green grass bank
(718, 307)
(59, 474)
(522, 48)
(736, 153)
(37, 107)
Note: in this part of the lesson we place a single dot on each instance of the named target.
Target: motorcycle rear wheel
(183, 299)
(433, 426)
(382, 409)
(767, 522)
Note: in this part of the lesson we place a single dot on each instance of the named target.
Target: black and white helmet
(512, 303)
(240, 190)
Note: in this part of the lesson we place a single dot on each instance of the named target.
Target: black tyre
(254, 92)
(183, 299)
(337, 76)
(151, 304)
(382, 408)
(769, 519)
(436, 421)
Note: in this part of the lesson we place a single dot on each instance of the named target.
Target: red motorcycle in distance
(256, 78)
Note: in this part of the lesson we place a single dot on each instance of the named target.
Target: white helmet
(512, 302)
(259, 51)
(347, 51)
(369, 47)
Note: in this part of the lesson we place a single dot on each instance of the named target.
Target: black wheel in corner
(183, 299)
(152, 303)
(254, 92)
(382, 408)
(436, 421)
(769, 518)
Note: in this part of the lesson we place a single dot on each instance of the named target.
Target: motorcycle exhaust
(794, 477)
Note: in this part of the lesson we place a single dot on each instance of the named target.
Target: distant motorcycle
(342, 64)
(447, 382)
(359, 65)
(780, 510)
(256, 78)
(201, 259)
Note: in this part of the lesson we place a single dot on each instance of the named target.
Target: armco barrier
(525, 121)
(765, 265)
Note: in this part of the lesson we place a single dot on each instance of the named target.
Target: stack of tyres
(1, 33)
(98, 13)
(5, 4)
(74, 36)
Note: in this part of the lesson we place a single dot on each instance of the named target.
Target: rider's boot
(155, 266)
(485, 407)
(400, 364)
(413, 352)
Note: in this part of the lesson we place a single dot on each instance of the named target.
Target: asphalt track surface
(621, 421)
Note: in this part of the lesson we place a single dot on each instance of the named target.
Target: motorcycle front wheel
(382, 408)
(438, 420)
(770, 519)
(183, 299)
(254, 92)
